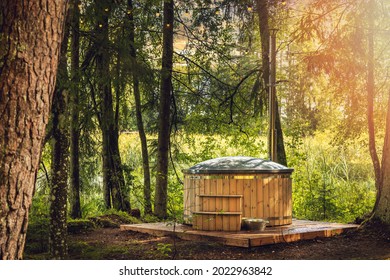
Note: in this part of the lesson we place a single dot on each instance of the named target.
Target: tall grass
(333, 183)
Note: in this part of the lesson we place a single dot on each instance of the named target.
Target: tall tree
(138, 111)
(75, 209)
(263, 13)
(382, 178)
(113, 180)
(31, 34)
(371, 96)
(60, 158)
(161, 193)
(382, 204)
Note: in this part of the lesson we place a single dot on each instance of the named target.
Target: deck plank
(298, 230)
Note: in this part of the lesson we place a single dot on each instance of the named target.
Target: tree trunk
(75, 209)
(382, 172)
(59, 170)
(160, 204)
(370, 99)
(281, 154)
(263, 13)
(113, 180)
(125, 193)
(382, 204)
(138, 112)
(30, 35)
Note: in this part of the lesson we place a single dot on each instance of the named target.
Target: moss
(29, 255)
(81, 225)
(80, 249)
(105, 222)
(151, 219)
(37, 239)
(120, 217)
(84, 250)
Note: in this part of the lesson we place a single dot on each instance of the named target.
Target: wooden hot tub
(219, 193)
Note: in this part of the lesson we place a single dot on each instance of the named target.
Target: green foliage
(164, 249)
(37, 240)
(330, 182)
(219, 100)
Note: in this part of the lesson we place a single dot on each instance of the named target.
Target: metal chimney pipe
(272, 97)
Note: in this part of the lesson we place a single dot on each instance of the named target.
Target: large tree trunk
(113, 179)
(30, 36)
(263, 13)
(75, 209)
(138, 112)
(60, 160)
(160, 204)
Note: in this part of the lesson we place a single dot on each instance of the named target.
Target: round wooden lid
(237, 164)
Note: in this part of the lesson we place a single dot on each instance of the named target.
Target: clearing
(107, 242)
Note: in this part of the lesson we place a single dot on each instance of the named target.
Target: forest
(104, 103)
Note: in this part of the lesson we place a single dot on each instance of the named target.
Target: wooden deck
(298, 230)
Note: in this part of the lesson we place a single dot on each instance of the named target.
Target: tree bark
(75, 209)
(60, 159)
(138, 112)
(160, 204)
(263, 13)
(30, 34)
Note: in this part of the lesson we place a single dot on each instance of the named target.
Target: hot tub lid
(237, 164)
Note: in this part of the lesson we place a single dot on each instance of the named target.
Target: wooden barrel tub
(219, 193)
